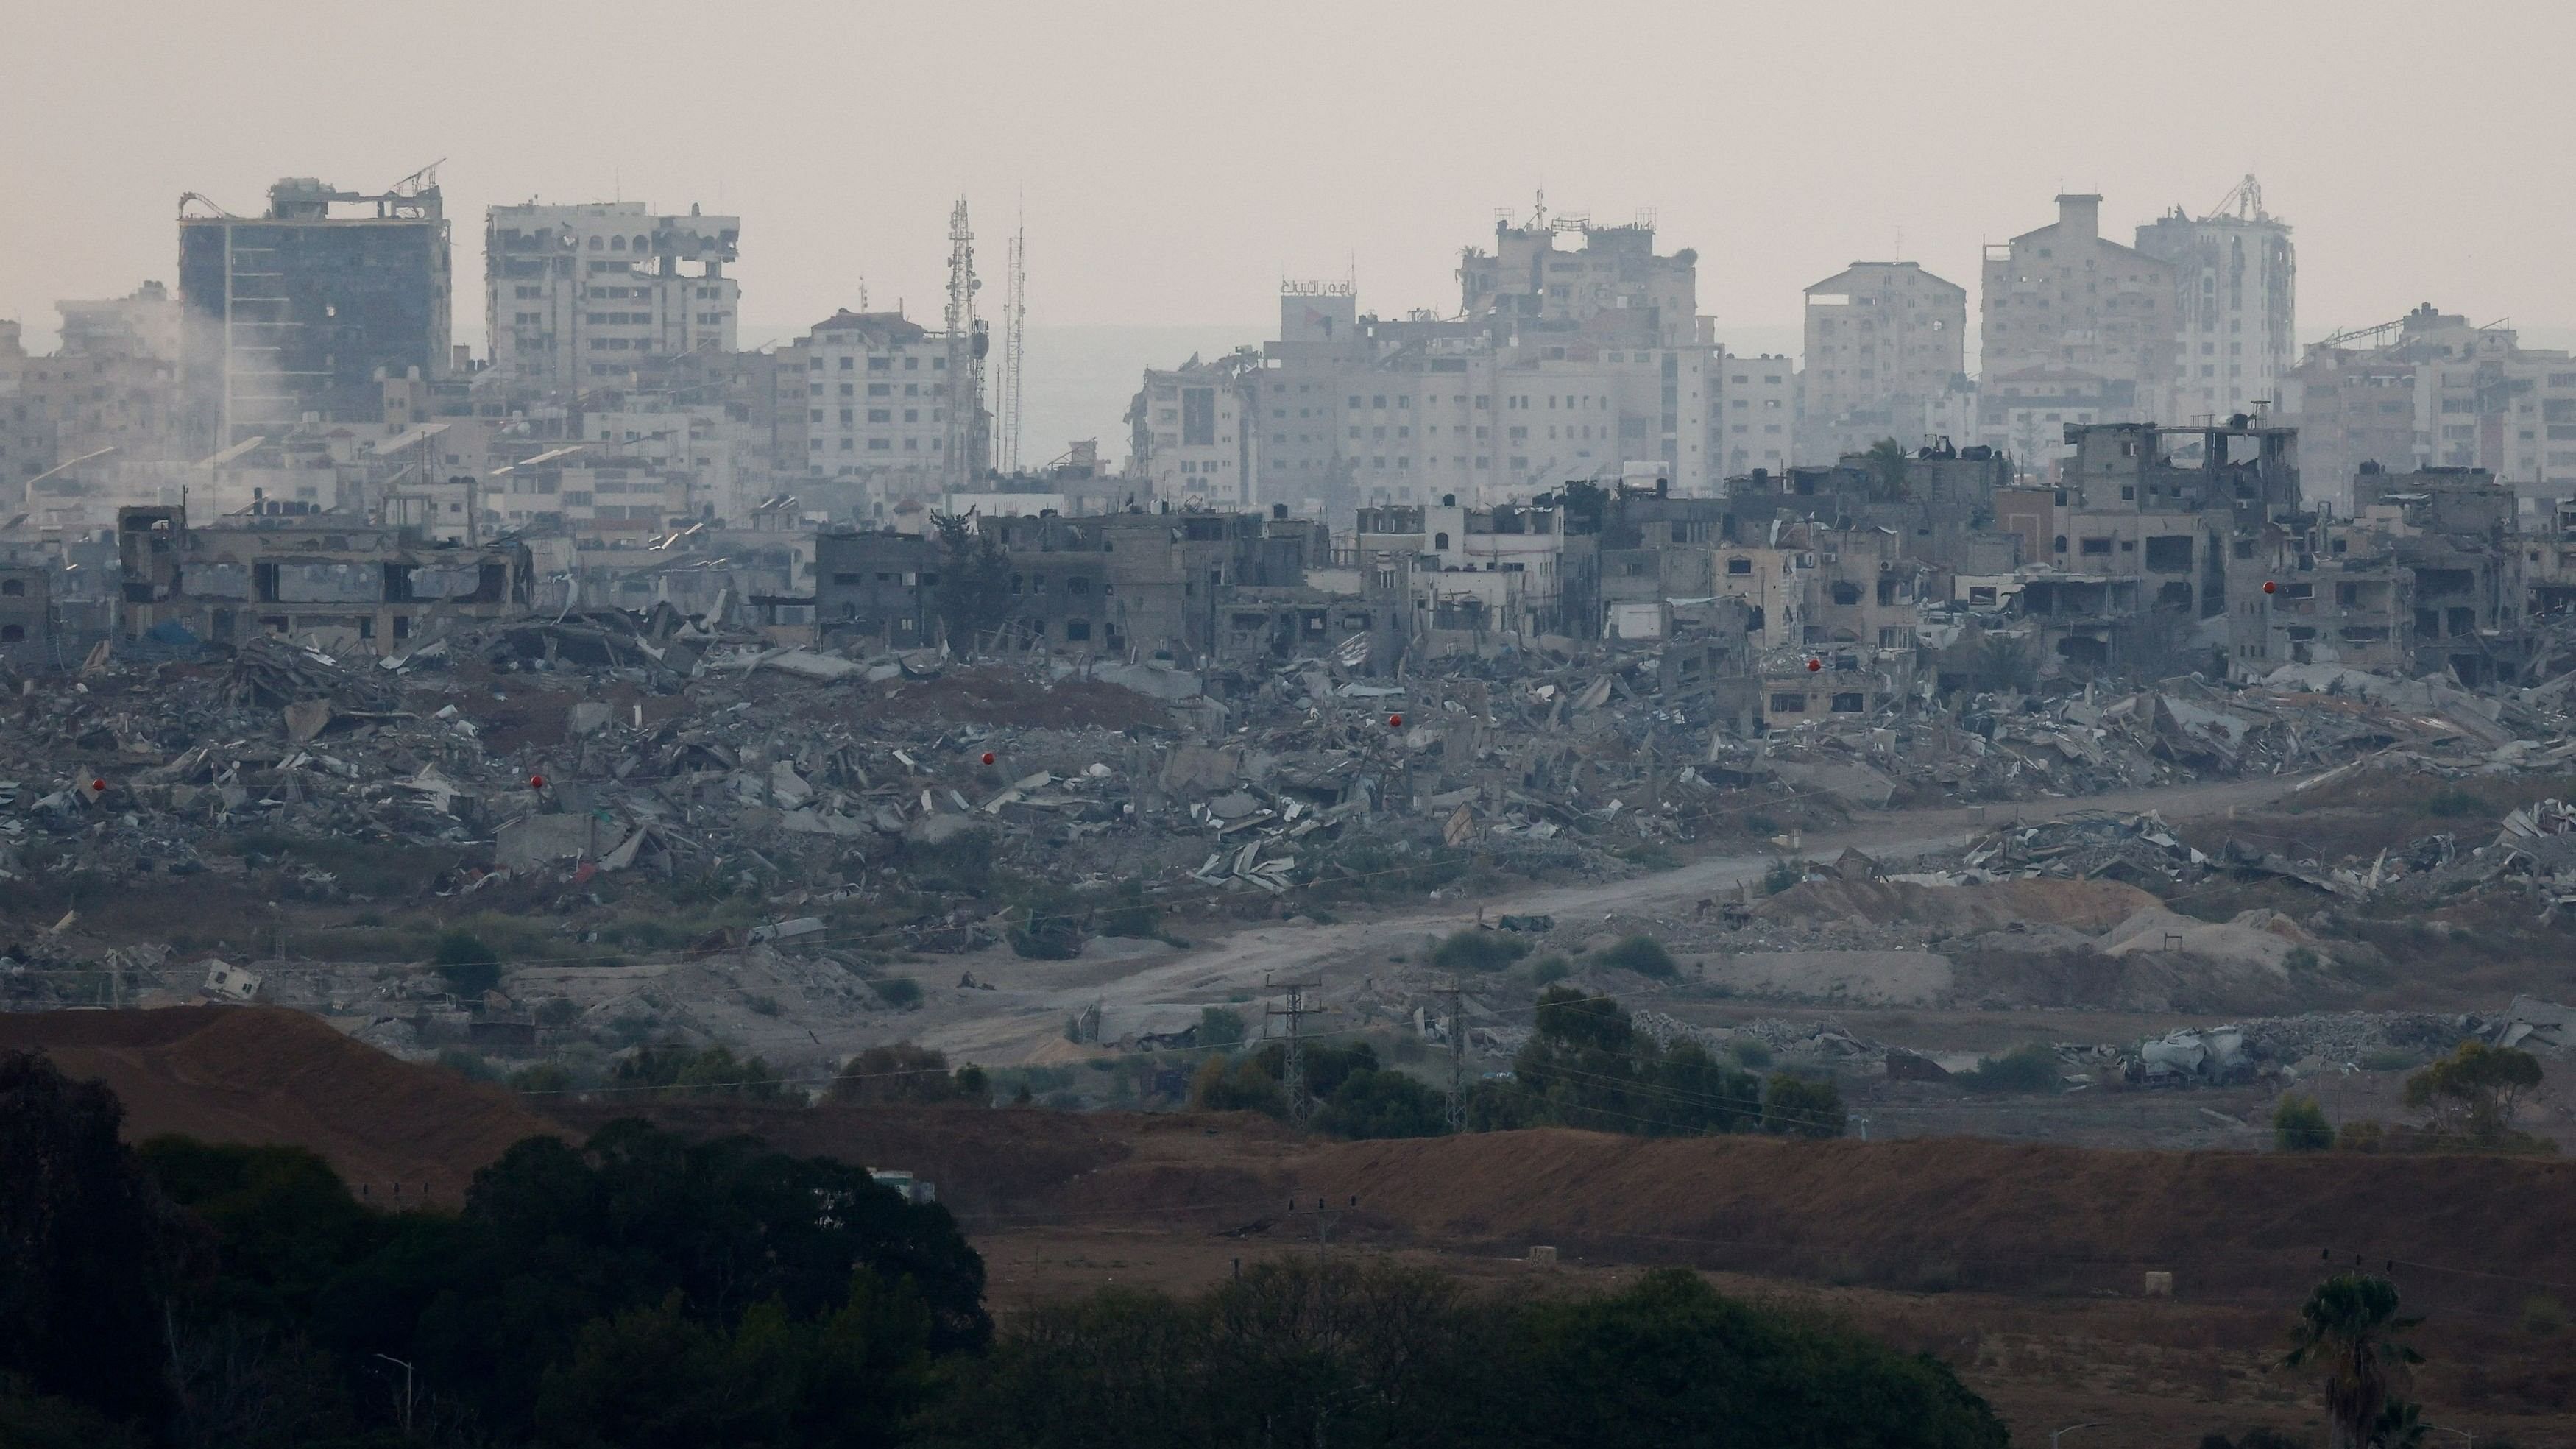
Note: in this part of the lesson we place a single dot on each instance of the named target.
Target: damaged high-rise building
(300, 311)
(2235, 303)
(585, 295)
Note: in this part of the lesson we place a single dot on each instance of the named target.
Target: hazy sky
(1176, 160)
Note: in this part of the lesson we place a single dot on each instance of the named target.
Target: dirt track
(1023, 1021)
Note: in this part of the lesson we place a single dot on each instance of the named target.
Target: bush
(1550, 969)
(1219, 1027)
(545, 1079)
(468, 1064)
(2542, 1317)
(1236, 1084)
(1794, 1107)
(1478, 950)
(1383, 1104)
(2030, 1068)
(1131, 914)
(2362, 1136)
(558, 1011)
(2390, 1059)
(904, 1072)
(1783, 874)
(2299, 1125)
(900, 992)
(1642, 954)
(1749, 1052)
(2300, 960)
(469, 967)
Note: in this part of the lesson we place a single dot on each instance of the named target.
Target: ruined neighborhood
(2022, 811)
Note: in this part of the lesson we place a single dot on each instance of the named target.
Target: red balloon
(1395, 721)
(99, 785)
(536, 782)
(1814, 664)
(2269, 586)
(988, 757)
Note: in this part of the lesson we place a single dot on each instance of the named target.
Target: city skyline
(1138, 214)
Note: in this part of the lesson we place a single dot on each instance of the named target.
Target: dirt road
(1023, 1018)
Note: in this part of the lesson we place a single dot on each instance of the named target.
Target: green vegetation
(1549, 969)
(900, 992)
(2472, 1093)
(1478, 950)
(2028, 1068)
(469, 967)
(1220, 1028)
(682, 1071)
(1586, 1065)
(1370, 1353)
(1642, 954)
(1783, 874)
(2299, 1125)
(2349, 1333)
(1796, 1107)
(1372, 1103)
(907, 1072)
(1749, 1052)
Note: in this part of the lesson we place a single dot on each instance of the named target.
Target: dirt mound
(1965, 1212)
(999, 697)
(2081, 905)
(264, 1074)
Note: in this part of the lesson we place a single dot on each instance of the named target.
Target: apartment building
(2070, 313)
(576, 296)
(2432, 390)
(2235, 306)
(1885, 341)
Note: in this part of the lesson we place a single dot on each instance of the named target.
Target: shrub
(1219, 1027)
(974, 1085)
(1236, 1084)
(468, 1064)
(558, 1011)
(1795, 1107)
(900, 992)
(2390, 1059)
(2299, 1125)
(1478, 950)
(2299, 960)
(1130, 914)
(1383, 1104)
(1642, 954)
(1749, 1052)
(2362, 1136)
(545, 1079)
(1783, 874)
(469, 967)
(904, 1072)
(2027, 1068)
(1550, 969)
(2542, 1316)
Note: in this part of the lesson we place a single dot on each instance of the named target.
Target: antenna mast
(1015, 321)
(965, 353)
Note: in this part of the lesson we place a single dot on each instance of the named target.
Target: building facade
(301, 310)
(2235, 305)
(576, 296)
(2068, 300)
(1885, 340)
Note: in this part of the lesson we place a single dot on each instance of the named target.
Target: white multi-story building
(1188, 432)
(2235, 304)
(877, 394)
(2431, 390)
(2092, 315)
(1756, 417)
(1883, 340)
(583, 295)
(1560, 365)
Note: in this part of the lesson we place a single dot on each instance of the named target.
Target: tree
(2348, 1332)
(1796, 1107)
(1383, 1104)
(2473, 1091)
(88, 1247)
(469, 967)
(1887, 460)
(1220, 1027)
(901, 1072)
(974, 594)
(2299, 1125)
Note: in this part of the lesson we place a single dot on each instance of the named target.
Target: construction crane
(2245, 202)
(1015, 321)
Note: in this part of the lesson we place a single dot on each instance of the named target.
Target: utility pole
(406, 1368)
(1293, 1070)
(1457, 1059)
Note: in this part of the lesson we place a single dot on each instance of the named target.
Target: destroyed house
(357, 585)
(2349, 603)
(29, 636)
(875, 585)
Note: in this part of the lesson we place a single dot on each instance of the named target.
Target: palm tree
(2348, 1329)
